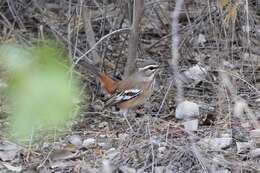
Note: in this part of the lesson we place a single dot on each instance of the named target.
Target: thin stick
(175, 53)
(98, 42)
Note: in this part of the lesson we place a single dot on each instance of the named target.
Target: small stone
(201, 39)
(123, 136)
(75, 140)
(156, 140)
(104, 145)
(187, 109)
(88, 142)
(222, 171)
(240, 134)
(191, 125)
(161, 152)
(126, 169)
(102, 136)
(103, 124)
(246, 28)
(255, 153)
(196, 73)
(243, 147)
(246, 125)
(255, 133)
(225, 135)
(216, 143)
(45, 145)
(239, 108)
(159, 169)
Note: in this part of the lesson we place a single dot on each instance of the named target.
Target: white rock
(191, 125)
(222, 171)
(103, 124)
(216, 143)
(239, 108)
(246, 28)
(228, 64)
(159, 169)
(251, 57)
(102, 135)
(156, 140)
(187, 109)
(107, 167)
(255, 153)
(201, 39)
(75, 140)
(104, 145)
(258, 29)
(225, 135)
(255, 133)
(12, 168)
(161, 149)
(8, 150)
(126, 169)
(161, 152)
(88, 142)
(123, 136)
(243, 147)
(196, 73)
(246, 125)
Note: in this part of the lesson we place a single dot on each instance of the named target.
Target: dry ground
(222, 38)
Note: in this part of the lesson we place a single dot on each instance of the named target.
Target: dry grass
(229, 92)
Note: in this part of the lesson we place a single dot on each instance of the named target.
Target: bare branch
(134, 35)
(175, 53)
(90, 33)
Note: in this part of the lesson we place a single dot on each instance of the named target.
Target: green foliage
(41, 90)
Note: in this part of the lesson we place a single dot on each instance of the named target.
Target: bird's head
(148, 72)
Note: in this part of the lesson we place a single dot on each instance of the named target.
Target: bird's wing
(123, 96)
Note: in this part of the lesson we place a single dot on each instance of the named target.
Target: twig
(98, 42)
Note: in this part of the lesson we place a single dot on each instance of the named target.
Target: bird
(130, 92)
(127, 93)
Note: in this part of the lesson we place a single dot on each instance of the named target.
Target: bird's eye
(152, 68)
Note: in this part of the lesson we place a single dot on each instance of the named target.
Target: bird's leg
(125, 112)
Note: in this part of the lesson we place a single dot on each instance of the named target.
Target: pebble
(255, 153)
(217, 143)
(243, 147)
(123, 136)
(88, 142)
(255, 133)
(159, 169)
(196, 73)
(75, 140)
(222, 171)
(103, 124)
(186, 110)
(191, 125)
(161, 152)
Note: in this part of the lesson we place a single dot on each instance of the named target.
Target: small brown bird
(130, 92)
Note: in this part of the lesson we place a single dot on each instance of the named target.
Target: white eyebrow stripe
(146, 67)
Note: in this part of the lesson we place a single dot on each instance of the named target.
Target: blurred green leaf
(41, 90)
